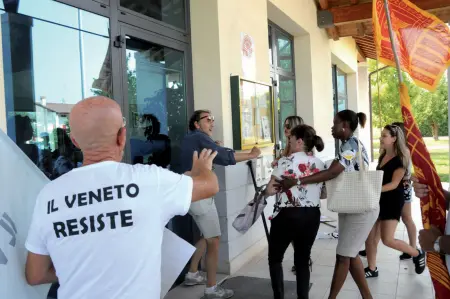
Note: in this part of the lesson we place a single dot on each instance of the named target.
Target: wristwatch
(437, 246)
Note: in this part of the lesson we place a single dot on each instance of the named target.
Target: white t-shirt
(299, 165)
(102, 226)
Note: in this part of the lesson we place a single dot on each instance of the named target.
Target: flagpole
(393, 45)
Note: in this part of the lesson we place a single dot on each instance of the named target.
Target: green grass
(440, 156)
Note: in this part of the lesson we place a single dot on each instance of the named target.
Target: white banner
(20, 182)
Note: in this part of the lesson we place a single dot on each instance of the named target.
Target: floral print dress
(298, 165)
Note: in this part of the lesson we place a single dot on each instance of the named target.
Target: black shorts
(391, 206)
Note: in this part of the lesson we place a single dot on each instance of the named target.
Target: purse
(357, 191)
(251, 212)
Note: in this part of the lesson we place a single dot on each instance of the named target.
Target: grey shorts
(353, 232)
(204, 213)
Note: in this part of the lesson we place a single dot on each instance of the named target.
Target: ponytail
(362, 119)
(318, 143)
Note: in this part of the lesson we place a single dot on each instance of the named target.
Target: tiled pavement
(397, 278)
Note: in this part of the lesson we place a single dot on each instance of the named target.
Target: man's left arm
(39, 269)
(39, 266)
(429, 238)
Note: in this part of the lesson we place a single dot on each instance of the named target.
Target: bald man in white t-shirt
(98, 229)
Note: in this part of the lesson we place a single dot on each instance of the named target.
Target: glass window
(270, 47)
(341, 90)
(286, 106)
(157, 102)
(50, 10)
(282, 58)
(47, 68)
(284, 52)
(172, 12)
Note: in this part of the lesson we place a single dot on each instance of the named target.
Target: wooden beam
(354, 2)
(333, 33)
(323, 4)
(361, 55)
(363, 11)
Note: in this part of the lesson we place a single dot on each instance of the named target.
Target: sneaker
(405, 256)
(192, 279)
(363, 253)
(419, 262)
(218, 293)
(370, 273)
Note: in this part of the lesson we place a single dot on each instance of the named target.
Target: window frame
(335, 73)
(276, 71)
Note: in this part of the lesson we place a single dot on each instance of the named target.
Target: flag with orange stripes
(423, 45)
(422, 40)
(434, 205)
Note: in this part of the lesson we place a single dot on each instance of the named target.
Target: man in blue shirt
(201, 127)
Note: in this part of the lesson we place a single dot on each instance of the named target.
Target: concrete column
(3, 115)
(364, 104)
(352, 91)
(17, 67)
(216, 32)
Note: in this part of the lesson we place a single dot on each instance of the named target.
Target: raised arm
(253, 154)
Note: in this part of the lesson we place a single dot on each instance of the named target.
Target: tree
(430, 109)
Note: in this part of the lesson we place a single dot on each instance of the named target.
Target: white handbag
(252, 211)
(357, 191)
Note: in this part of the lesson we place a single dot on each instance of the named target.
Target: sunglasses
(210, 118)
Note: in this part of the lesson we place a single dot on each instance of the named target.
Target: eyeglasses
(210, 118)
(287, 126)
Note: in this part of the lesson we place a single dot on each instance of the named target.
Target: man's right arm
(253, 154)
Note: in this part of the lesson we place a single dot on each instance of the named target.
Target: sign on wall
(248, 56)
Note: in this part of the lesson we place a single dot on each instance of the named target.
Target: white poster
(20, 182)
(248, 56)
(176, 252)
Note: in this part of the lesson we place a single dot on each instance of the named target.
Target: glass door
(155, 104)
(154, 92)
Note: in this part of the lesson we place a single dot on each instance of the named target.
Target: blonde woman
(289, 123)
(394, 161)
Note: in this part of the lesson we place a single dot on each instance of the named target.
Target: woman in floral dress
(296, 209)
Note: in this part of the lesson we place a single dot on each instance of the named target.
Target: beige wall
(216, 33)
(216, 30)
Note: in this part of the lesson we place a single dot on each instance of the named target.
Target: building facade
(161, 60)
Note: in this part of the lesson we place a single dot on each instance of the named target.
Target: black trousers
(300, 226)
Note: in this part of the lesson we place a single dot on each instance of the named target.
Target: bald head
(96, 125)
